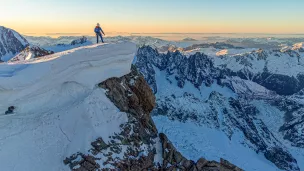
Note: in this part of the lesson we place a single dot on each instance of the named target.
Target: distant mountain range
(15, 47)
(254, 98)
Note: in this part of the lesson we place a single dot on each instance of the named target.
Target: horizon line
(166, 33)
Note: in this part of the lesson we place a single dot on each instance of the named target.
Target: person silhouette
(98, 30)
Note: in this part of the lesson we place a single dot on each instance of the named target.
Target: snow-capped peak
(11, 43)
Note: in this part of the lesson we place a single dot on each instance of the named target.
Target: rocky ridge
(31, 52)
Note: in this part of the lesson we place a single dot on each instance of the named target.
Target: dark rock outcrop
(176, 161)
(10, 110)
(81, 162)
(40, 52)
(293, 129)
(81, 40)
(280, 158)
(134, 97)
(33, 52)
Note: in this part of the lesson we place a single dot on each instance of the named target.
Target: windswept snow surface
(59, 109)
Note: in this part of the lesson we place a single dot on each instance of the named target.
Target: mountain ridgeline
(200, 69)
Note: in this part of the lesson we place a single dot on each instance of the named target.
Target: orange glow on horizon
(116, 28)
(159, 16)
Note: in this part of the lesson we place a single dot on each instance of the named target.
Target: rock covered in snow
(31, 52)
(197, 69)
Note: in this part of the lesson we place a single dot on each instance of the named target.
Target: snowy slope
(194, 141)
(59, 110)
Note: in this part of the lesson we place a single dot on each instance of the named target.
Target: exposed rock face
(40, 52)
(198, 68)
(81, 162)
(138, 141)
(281, 158)
(174, 159)
(11, 43)
(293, 129)
(135, 98)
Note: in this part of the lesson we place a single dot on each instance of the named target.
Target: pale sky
(153, 16)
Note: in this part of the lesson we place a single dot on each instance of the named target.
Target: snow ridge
(58, 108)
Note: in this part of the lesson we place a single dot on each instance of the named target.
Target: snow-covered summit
(59, 110)
(11, 43)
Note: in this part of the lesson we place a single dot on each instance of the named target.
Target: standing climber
(99, 32)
